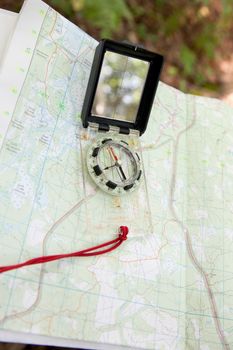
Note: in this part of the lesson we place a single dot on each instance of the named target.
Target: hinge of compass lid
(115, 129)
(112, 128)
(98, 127)
(93, 126)
(134, 132)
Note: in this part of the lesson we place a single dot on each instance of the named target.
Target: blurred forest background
(196, 37)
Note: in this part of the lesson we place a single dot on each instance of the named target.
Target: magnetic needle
(113, 166)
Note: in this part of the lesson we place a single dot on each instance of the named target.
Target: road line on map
(53, 26)
(188, 242)
(41, 275)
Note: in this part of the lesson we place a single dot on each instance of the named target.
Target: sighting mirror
(121, 87)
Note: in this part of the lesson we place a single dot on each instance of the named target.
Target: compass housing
(114, 166)
(133, 56)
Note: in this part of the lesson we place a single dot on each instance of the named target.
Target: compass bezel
(99, 176)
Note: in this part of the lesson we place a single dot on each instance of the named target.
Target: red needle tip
(113, 153)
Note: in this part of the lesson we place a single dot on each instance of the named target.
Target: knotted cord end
(123, 233)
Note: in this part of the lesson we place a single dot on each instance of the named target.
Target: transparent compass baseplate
(114, 205)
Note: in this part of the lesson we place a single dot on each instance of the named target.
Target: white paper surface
(7, 24)
(16, 59)
(27, 338)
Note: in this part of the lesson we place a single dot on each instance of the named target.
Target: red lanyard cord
(115, 243)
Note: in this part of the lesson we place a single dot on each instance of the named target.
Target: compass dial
(113, 166)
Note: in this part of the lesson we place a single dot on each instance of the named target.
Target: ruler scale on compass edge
(169, 285)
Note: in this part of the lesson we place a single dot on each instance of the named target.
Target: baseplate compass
(114, 166)
(117, 105)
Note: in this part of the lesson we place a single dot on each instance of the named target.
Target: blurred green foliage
(106, 15)
(193, 35)
(188, 33)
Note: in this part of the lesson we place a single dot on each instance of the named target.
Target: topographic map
(170, 285)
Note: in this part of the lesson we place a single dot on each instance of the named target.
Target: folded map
(170, 288)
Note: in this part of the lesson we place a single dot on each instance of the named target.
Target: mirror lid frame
(124, 48)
